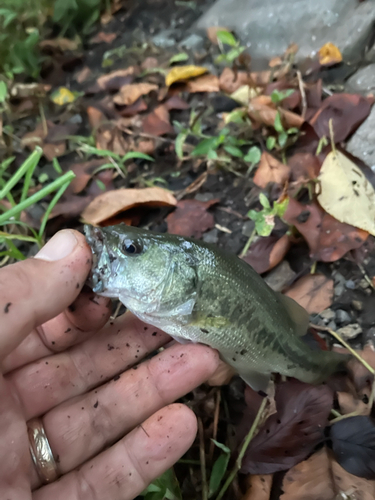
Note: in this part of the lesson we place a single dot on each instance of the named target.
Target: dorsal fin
(298, 314)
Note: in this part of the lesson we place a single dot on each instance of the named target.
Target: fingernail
(59, 246)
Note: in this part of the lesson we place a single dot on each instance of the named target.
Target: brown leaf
(111, 203)
(128, 94)
(84, 172)
(83, 74)
(212, 33)
(157, 122)
(304, 167)
(262, 110)
(350, 404)
(191, 218)
(61, 43)
(267, 252)
(103, 37)
(222, 375)
(327, 238)
(322, 478)
(230, 81)
(96, 117)
(329, 54)
(314, 292)
(38, 137)
(258, 487)
(176, 102)
(270, 170)
(150, 63)
(205, 83)
(134, 109)
(361, 377)
(115, 80)
(289, 435)
(347, 112)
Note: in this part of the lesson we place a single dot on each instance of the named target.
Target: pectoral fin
(298, 314)
(257, 381)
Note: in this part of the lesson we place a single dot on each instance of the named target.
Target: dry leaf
(176, 102)
(128, 94)
(103, 37)
(329, 55)
(111, 203)
(83, 74)
(327, 238)
(205, 83)
(345, 193)
(212, 33)
(60, 43)
(322, 478)
(258, 487)
(134, 109)
(191, 218)
(182, 73)
(271, 170)
(37, 138)
(314, 292)
(244, 94)
(230, 80)
(349, 404)
(114, 80)
(267, 252)
(157, 122)
(263, 110)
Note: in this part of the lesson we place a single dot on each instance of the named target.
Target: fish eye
(131, 247)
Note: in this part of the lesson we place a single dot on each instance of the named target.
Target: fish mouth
(100, 270)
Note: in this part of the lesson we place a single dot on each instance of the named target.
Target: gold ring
(41, 453)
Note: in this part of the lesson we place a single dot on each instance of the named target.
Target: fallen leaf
(270, 170)
(182, 73)
(230, 81)
(353, 445)
(327, 238)
(314, 292)
(347, 112)
(360, 375)
(83, 172)
(37, 138)
(111, 203)
(128, 94)
(345, 193)
(349, 404)
(83, 74)
(258, 487)
(262, 110)
(115, 80)
(329, 54)
(60, 43)
(176, 102)
(150, 63)
(103, 37)
(303, 167)
(191, 218)
(267, 252)
(212, 33)
(62, 96)
(244, 94)
(205, 83)
(96, 117)
(289, 435)
(321, 478)
(134, 109)
(157, 122)
(222, 375)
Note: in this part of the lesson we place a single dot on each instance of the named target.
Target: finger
(124, 470)
(50, 381)
(91, 313)
(80, 429)
(36, 290)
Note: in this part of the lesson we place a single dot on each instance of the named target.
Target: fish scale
(199, 293)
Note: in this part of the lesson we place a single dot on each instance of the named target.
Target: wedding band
(41, 452)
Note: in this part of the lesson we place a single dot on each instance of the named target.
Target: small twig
(202, 457)
(248, 243)
(343, 417)
(313, 267)
(366, 276)
(260, 415)
(301, 86)
(231, 212)
(43, 117)
(115, 314)
(345, 344)
(215, 425)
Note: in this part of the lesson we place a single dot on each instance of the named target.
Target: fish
(199, 293)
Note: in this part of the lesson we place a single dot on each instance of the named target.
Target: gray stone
(363, 80)
(357, 305)
(332, 325)
(268, 27)
(364, 284)
(362, 143)
(327, 315)
(248, 228)
(204, 196)
(164, 39)
(192, 42)
(350, 331)
(339, 288)
(342, 316)
(280, 276)
(350, 284)
(370, 336)
(211, 236)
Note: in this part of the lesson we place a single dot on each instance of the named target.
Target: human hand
(66, 367)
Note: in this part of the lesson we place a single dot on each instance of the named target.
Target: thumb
(40, 288)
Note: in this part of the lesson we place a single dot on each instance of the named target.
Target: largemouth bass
(196, 292)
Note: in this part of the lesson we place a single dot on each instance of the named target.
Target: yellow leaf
(345, 193)
(244, 94)
(62, 96)
(182, 73)
(329, 54)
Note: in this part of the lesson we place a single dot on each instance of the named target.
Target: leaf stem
(248, 243)
(202, 456)
(244, 447)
